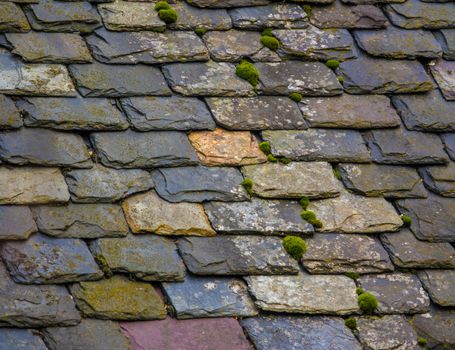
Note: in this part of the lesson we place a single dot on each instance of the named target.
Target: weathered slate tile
(146, 47)
(340, 253)
(149, 258)
(237, 255)
(277, 15)
(307, 78)
(35, 185)
(96, 79)
(72, 113)
(375, 180)
(20, 339)
(191, 18)
(10, 118)
(148, 213)
(449, 144)
(101, 184)
(256, 113)
(118, 298)
(206, 79)
(438, 326)
(446, 38)
(227, 3)
(440, 285)
(304, 293)
(398, 43)
(396, 293)
(331, 145)
(199, 184)
(444, 74)
(316, 44)
(294, 180)
(200, 297)
(417, 14)
(269, 217)
(16, 222)
(49, 47)
(89, 334)
(222, 147)
(12, 19)
(433, 218)
(440, 179)
(57, 16)
(349, 111)
(44, 147)
(167, 113)
(357, 2)
(366, 75)
(131, 149)
(351, 213)
(400, 146)
(290, 333)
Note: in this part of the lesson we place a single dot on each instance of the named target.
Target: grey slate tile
(446, 38)
(443, 73)
(191, 18)
(20, 339)
(16, 222)
(227, 3)
(12, 18)
(440, 179)
(438, 326)
(10, 118)
(449, 144)
(440, 285)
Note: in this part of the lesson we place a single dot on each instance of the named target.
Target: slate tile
(131, 149)
(444, 74)
(44, 260)
(236, 255)
(357, 2)
(118, 298)
(271, 217)
(440, 179)
(148, 213)
(20, 339)
(200, 297)
(304, 293)
(332, 145)
(12, 19)
(438, 326)
(440, 285)
(227, 3)
(396, 293)
(191, 18)
(10, 118)
(292, 333)
(96, 79)
(341, 253)
(446, 38)
(16, 222)
(199, 184)
(167, 113)
(449, 144)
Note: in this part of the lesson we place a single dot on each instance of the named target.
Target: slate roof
(124, 143)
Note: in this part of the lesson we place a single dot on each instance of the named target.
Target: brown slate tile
(10, 118)
(12, 18)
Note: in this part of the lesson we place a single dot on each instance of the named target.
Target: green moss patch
(332, 64)
(200, 31)
(165, 12)
(247, 71)
(265, 147)
(295, 96)
(311, 218)
(351, 323)
(367, 302)
(407, 221)
(248, 185)
(295, 246)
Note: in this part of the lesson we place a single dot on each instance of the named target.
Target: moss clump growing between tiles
(340, 79)
(295, 96)
(351, 323)
(337, 173)
(247, 71)
(311, 218)
(267, 32)
(332, 64)
(359, 290)
(272, 158)
(407, 221)
(168, 15)
(102, 263)
(354, 275)
(307, 9)
(248, 185)
(162, 5)
(271, 42)
(304, 202)
(265, 147)
(423, 342)
(200, 31)
(295, 246)
(284, 160)
(367, 302)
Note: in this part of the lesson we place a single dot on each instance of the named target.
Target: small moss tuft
(168, 15)
(359, 290)
(354, 275)
(407, 221)
(304, 202)
(307, 9)
(162, 5)
(247, 71)
(284, 160)
(351, 323)
(367, 302)
(295, 96)
(311, 218)
(272, 158)
(270, 42)
(265, 147)
(200, 31)
(295, 246)
(340, 79)
(332, 64)
(102, 263)
(248, 185)
(337, 174)
(423, 342)
(267, 32)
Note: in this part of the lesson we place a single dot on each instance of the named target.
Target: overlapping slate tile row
(124, 142)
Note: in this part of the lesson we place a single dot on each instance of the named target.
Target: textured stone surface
(118, 298)
(148, 213)
(238, 255)
(192, 18)
(209, 297)
(304, 293)
(149, 258)
(438, 326)
(294, 180)
(444, 74)
(258, 216)
(10, 117)
(16, 222)
(130, 149)
(20, 339)
(440, 179)
(449, 144)
(396, 293)
(227, 3)
(199, 184)
(318, 144)
(12, 18)
(446, 38)
(440, 285)
(222, 147)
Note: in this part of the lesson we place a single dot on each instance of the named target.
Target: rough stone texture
(440, 179)
(433, 218)
(258, 216)
(222, 147)
(101, 184)
(72, 113)
(206, 79)
(374, 180)
(446, 38)
(10, 117)
(340, 253)
(444, 74)
(199, 184)
(12, 18)
(89, 334)
(16, 222)
(227, 3)
(149, 258)
(167, 113)
(96, 79)
(449, 144)
(307, 78)
(318, 144)
(146, 47)
(118, 298)
(44, 147)
(440, 285)
(351, 213)
(238, 255)
(408, 252)
(20, 339)
(191, 18)
(42, 259)
(149, 213)
(209, 297)
(438, 326)
(27, 185)
(131, 149)
(396, 293)
(294, 180)
(349, 111)
(304, 293)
